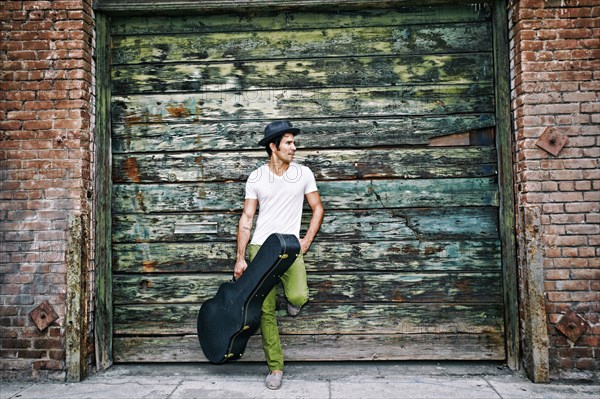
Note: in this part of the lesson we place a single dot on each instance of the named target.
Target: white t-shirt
(280, 199)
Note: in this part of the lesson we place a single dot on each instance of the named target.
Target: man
(278, 188)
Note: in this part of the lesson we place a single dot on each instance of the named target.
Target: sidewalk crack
(491, 386)
(169, 396)
(21, 390)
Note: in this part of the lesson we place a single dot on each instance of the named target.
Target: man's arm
(243, 237)
(314, 200)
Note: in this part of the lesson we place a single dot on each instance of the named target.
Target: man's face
(287, 148)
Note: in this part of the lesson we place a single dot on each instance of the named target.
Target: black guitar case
(226, 321)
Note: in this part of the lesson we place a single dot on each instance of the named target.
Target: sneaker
(273, 380)
(293, 310)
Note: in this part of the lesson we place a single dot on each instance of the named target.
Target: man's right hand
(240, 268)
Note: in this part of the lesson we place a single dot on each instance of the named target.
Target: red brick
(566, 186)
(572, 240)
(9, 125)
(590, 107)
(592, 218)
(557, 175)
(591, 174)
(37, 105)
(586, 252)
(580, 33)
(585, 363)
(32, 354)
(591, 196)
(37, 5)
(21, 95)
(56, 354)
(47, 365)
(49, 343)
(21, 115)
(569, 218)
(16, 343)
(578, 296)
(552, 252)
(557, 274)
(588, 43)
(571, 263)
(564, 196)
(554, 229)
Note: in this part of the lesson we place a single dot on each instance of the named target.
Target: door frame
(505, 150)
(103, 304)
(103, 323)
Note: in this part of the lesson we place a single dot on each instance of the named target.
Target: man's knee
(298, 298)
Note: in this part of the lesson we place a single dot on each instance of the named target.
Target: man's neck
(277, 166)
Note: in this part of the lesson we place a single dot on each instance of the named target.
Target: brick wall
(45, 123)
(555, 74)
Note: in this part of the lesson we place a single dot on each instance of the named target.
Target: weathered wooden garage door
(397, 109)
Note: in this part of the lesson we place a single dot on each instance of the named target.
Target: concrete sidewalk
(303, 380)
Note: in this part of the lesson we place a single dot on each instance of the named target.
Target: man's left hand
(304, 245)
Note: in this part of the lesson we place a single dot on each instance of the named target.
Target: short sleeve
(251, 185)
(250, 191)
(311, 184)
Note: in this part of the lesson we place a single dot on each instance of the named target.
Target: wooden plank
(415, 255)
(362, 194)
(153, 228)
(325, 42)
(407, 287)
(397, 287)
(367, 225)
(318, 319)
(291, 19)
(240, 135)
(303, 73)
(475, 138)
(325, 164)
(444, 346)
(451, 140)
(103, 317)
(282, 104)
(504, 143)
(76, 298)
(190, 7)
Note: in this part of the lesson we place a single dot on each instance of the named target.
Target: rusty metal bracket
(552, 141)
(572, 325)
(43, 315)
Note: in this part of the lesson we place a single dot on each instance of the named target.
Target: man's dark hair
(276, 141)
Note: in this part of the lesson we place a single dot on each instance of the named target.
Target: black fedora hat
(277, 128)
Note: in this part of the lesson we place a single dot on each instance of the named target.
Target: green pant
(296, 292)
